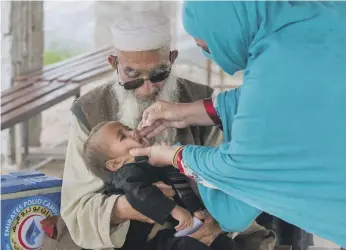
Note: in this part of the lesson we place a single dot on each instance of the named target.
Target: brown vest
(101, 105)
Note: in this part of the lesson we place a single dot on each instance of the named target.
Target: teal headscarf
(231, 29)
(285, 128)
(203, 19)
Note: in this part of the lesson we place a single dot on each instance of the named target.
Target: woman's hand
(160, 116)
(159, 155)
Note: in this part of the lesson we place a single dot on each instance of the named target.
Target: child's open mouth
(142, 140)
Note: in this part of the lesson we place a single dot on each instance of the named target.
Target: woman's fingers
(156, 131)
(161, 110)
(144, 118)
(153, 130)
(157, 116)
(152, 109)
(143, 131)
(153, 113)
(140, 152)
(140, 127)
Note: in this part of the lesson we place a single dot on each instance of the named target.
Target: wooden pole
(26, 31)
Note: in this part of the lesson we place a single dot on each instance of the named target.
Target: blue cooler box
(26, 199)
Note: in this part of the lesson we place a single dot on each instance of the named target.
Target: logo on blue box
(22, 228)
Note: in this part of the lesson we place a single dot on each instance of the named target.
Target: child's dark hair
(94, 157)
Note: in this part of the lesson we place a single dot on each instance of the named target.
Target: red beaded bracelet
(177, 160)
(210, 109)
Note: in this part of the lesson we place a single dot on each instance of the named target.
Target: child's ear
(114, 164)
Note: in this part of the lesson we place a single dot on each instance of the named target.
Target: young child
(107, 148)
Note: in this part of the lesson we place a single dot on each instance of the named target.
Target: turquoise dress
(285, 129)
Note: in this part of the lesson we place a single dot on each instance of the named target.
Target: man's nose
(147, 86)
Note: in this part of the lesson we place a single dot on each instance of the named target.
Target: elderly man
(143, 63)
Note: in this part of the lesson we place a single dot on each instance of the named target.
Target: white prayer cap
(141, 31)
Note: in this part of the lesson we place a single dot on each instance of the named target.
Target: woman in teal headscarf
(284, 150)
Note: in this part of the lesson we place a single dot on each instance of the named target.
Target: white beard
(131, 108)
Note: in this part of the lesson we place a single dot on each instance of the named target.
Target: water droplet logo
(23, 229)
(30, 234)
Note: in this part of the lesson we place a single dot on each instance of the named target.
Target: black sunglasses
(153, 78)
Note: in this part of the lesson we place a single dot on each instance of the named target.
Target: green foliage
(51, 57)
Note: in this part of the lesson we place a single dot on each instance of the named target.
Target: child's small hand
(183, 216)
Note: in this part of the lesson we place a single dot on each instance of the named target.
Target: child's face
(120, 140)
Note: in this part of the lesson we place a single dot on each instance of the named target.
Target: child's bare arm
(183, 216)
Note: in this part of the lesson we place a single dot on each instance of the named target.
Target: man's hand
(123, 211)
(165, 189)
(210, 229)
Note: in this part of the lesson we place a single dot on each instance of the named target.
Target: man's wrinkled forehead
(143, 59)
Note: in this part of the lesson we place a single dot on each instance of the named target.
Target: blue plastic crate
(25, 175)
(27, 198)
(7, 177)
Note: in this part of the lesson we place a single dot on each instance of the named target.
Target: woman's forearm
(195, 114)
(200, 113)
